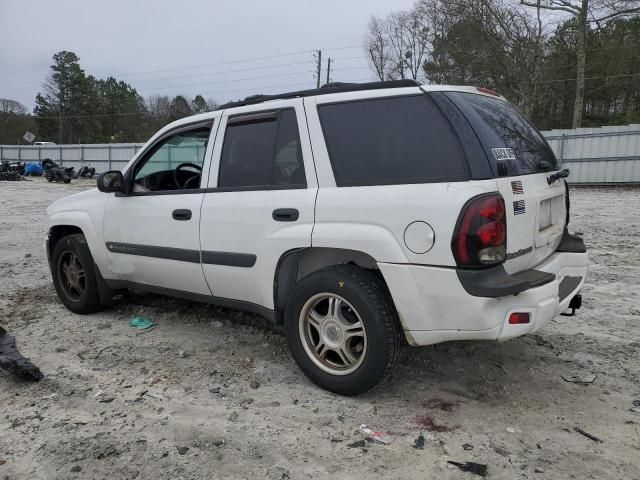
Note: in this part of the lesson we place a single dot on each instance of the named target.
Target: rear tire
(73, 272)
(342, 329)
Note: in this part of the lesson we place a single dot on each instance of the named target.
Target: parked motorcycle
(56, 173)
(85, 171)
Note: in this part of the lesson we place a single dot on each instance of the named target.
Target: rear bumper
(434, 306)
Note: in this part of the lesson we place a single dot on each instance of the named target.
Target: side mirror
(111, 181)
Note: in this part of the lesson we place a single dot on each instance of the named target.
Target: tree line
(78, 108)
(565, 63)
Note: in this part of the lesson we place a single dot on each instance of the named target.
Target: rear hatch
(521, 161)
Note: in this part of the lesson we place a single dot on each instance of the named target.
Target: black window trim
(412, 181)
(151, 149)
(263, 115)
(465, 113)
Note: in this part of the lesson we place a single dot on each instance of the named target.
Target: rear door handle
(181, 214)
(285, 214)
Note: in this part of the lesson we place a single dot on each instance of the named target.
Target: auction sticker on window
(503, 154)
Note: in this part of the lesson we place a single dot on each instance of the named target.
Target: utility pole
(319, 68)
(328, 69)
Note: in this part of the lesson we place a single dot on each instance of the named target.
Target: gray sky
(147, 43)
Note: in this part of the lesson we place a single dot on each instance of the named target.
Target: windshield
(514, 146)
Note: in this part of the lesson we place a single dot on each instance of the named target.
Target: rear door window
(512, 144)
(262, 150)
(391, 141)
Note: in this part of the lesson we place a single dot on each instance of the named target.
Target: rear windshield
(514, 146)
(393, 140)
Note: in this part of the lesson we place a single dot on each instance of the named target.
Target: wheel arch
(57, 232)
(295, 264)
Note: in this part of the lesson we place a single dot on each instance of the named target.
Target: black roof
(336, 87)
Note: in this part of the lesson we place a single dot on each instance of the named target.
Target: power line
(234, 80)
(188, 67)
(573, 79)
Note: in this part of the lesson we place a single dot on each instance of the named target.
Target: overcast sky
(148, 43)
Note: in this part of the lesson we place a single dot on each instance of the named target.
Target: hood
(81, 201)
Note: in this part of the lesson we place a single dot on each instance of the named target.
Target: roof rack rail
(334, 87)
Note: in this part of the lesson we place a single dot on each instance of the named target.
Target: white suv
(357, 216)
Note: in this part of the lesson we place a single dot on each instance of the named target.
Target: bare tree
(8, 106)
(159, 106)
(212, 104)
(586, 12)
(398, 44)
(377, 48)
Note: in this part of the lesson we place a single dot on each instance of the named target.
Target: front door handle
(181, 214)
(285, 214)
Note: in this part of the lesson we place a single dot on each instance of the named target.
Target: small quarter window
(391, 141)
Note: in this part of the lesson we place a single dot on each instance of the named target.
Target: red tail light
(480, 237)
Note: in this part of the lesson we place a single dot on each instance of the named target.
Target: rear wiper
(557, 176)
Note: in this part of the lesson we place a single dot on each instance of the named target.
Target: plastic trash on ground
(380, 437)
(141, 323)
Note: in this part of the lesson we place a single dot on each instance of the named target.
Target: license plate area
(550, 218)
(550, 212)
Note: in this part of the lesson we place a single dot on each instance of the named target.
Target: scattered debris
(255, 384)
(277, 472)
(357, 444)
(182, 450)
(76, 469)
(419, 442)
(467, 447)
(141, 323)
(380, 437)
(538, 470)
(581, 379)
(472, 467)
(588, 435)
(512, 430)
(106, 399)
(2, 462)
(635, 409)
(50, 397)
(636, 403)
(502, 451)
(13, 362)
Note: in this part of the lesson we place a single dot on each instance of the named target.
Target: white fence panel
(608, 154)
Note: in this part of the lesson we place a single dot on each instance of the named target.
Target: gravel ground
(180, 400)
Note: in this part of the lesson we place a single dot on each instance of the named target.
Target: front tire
(342, 329)
(73, 273)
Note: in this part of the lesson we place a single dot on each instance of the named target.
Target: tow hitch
(574, 304)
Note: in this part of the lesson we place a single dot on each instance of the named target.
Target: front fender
(84, 211)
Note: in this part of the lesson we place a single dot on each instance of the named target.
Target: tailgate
(521, 161)
(536, 215)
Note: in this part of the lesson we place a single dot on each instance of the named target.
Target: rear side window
(513, 145)
(262, 150)
(391, 141)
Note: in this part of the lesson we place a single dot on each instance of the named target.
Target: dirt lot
(177, 401)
